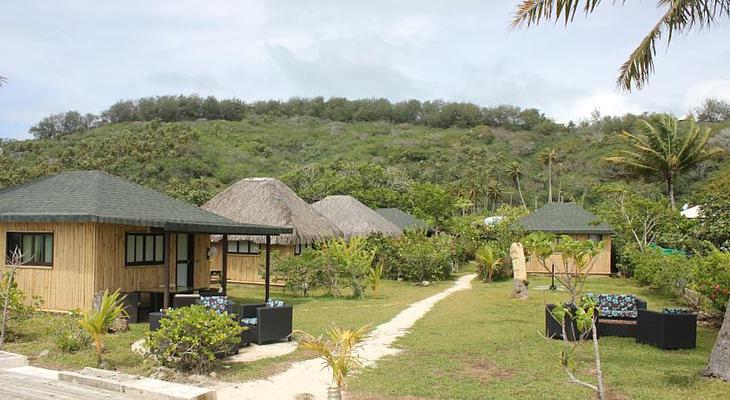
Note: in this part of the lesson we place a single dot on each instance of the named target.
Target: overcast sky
(85, 55)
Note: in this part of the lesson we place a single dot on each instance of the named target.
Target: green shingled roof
(88, 196)
(401, 218)
(564, 218)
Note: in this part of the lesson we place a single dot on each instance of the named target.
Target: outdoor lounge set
(265, 323)
(627, 316)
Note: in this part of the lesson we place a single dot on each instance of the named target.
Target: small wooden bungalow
(569, 219)
(84, 232)
(354, 218)
(270, 202)
(402, 219)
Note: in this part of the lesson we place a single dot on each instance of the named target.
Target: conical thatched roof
(269, 201)
(354, 218)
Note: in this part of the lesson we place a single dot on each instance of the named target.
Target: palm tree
(494, 192)
(679, 17)
(666, 148)
(488, 262)
(547, 158)
(515, 172)
(3, 81)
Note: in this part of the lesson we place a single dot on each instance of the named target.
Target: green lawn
(482, 344)
(312, 314)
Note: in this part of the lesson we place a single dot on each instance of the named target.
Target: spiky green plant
(97, 322)
(488, 262)
(338, 348)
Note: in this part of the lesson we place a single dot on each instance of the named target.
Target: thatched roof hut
(268, 201)
(354, 218)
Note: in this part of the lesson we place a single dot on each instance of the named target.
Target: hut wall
(69, 283)
(113, 274)
(601, 266)
(244, 268)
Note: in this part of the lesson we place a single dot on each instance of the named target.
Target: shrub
(667, 273)
(488, 262)
(68, 336)
(97, 323)
(712, 278)
(425, 258)
(353, 262)
(18, 310)
(300, 274)
(193, 338)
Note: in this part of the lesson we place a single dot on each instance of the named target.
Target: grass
(480, 344)
(312, 314)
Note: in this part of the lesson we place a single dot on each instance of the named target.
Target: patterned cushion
(249, 321)
(677, 311)
(275, 303)
(617, 305)
(217, 303)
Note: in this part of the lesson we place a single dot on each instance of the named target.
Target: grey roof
(95, 196)
(564, 218)
(401, 218)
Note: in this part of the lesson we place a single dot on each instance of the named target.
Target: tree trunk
(719, 364)
(519, 190)
(550, 181)
(670, 192)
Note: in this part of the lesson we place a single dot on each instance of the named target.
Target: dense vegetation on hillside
(447, 156)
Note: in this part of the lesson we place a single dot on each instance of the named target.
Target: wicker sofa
(265, 323)
(617, 314)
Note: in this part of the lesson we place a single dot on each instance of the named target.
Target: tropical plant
(494, 192)
(97, 322)
(352, 261)
(375, 278)
(666, 148)
(488, 262)
(338, 348)
(547, 158)
(679, 17)
(193, 338)
(515, 172)
(3, 81)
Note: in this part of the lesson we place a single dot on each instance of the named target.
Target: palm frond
(532, 12)
(681, 16)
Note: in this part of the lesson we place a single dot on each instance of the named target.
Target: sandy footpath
(309, 377)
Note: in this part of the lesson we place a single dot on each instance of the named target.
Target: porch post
(224, 264)
(166, 279)
(268, 265)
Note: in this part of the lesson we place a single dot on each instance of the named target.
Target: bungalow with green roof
(83, 232)
(402, 219)
(570, 219)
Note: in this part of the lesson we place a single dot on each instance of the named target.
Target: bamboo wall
(90, 257)
(69, 284)
(601, 265)
(244, 268)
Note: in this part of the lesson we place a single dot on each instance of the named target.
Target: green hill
(379, 162)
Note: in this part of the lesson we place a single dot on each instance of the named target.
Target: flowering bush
(712, 278)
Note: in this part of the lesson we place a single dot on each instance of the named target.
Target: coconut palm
(667, 148)
(680, 16)
(97, 322)
(548, 158)
(515, 172)
(338, 347)
(494, 192)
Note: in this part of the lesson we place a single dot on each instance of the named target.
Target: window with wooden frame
(144, 249)
(37, 247)
(243, 247)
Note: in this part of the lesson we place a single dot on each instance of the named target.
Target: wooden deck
(14, 386)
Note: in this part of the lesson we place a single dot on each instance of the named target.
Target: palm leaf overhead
(666, 148)
(680, 16)
(3, 81)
